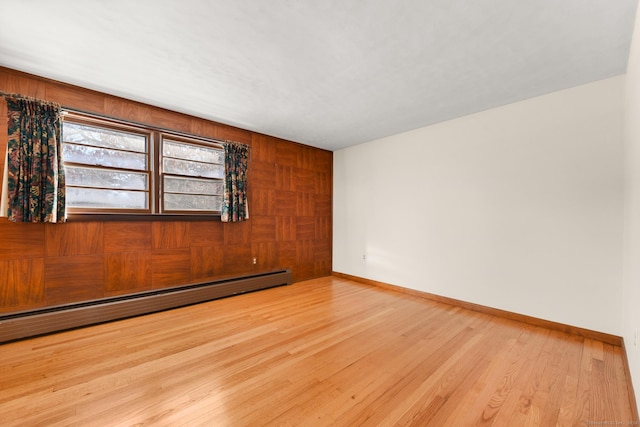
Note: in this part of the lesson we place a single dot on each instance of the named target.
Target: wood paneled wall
(290, 190)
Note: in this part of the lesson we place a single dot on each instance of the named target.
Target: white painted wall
(518, 208)
(631, 288)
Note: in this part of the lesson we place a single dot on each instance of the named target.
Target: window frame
(161, 173)
(154, 140)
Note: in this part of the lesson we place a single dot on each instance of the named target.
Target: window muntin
(117, 168)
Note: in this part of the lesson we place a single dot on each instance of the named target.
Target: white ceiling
(327, 73)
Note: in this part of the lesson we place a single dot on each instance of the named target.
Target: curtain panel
(35, 174)
(234, 198)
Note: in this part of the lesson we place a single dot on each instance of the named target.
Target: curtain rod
(126, 121)
(27, 98)
(5, 94)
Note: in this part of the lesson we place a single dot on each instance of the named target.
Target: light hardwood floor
(324, 352)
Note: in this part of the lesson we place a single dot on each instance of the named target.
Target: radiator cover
(30, 323)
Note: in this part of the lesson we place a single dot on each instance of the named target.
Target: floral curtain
(35, 174)
(234, 199)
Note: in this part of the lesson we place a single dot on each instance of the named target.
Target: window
(192, 177)
(106, 168)
(113, 167)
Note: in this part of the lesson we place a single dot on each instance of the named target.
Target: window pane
(173, 184)
(188, 202)
(115, 199)
(103, 157)
(101, 137)
(189, 168)
(90, 177)
(192, 152)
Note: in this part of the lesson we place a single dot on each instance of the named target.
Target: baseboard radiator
(31, 323)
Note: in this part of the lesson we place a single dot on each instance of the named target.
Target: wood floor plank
(328, 351)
